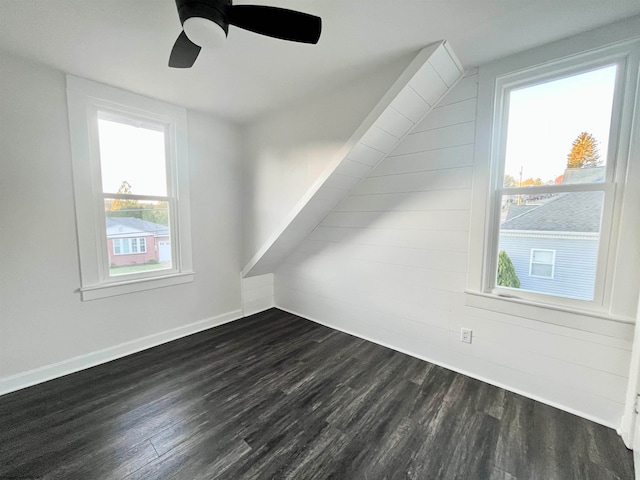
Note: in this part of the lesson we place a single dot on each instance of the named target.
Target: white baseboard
(458, 370)
(257, 306)
(75, 364)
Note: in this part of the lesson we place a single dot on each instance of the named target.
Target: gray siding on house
(575, 263)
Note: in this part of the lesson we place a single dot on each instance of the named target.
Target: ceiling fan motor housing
(214, 10)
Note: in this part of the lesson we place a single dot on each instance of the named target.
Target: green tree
(156, 212)
(507, 276)
(584, 152)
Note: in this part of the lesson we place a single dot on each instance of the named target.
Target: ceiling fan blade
(276, 22)
(184, 52)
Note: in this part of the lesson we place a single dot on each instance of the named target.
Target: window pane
(542, 256)
(558, 131)
(568, 223)
(132, 158)
(541, 270)
(138, 236)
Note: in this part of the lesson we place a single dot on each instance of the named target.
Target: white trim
(456, 369)
(587, 320)
(82, 362)
(550, 234)
(85, 98)
(629, 428)
(134, 285)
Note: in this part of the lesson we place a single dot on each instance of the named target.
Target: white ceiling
(126, 43)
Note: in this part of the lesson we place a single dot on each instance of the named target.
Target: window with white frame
(125, 246)
(553, 159)
(542, 263)
(556, 143)
(131, 184)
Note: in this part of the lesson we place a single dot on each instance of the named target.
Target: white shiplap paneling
(389, 264)
(412, 96)
(257, 294)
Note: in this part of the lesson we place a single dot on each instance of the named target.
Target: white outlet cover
(465, 335)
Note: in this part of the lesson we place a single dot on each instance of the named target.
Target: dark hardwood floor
(274, 396)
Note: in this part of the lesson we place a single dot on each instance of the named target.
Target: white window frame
(553, 263)
(85, 99)
(562, 58)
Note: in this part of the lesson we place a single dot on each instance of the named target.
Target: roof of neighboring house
(515, 210)
(127, 226)
(569, 212)
(585, 175)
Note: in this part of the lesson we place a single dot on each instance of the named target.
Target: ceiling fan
(205, 23)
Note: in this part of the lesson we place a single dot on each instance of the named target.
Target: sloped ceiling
(425, 81)
(126, 43)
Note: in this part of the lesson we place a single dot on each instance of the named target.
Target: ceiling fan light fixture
(204, 33)
(205, 24)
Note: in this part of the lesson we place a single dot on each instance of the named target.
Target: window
(553, 162)
(124, 246)
(552, 148)
(542, 263)
(131, 190)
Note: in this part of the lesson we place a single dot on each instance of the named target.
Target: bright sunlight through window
(134, 185)
(552, 197)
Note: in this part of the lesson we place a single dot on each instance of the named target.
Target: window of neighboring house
(130, 177)
(124, 246)
(557, 157)
(542, 263)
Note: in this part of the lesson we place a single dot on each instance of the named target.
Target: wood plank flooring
(274, 396)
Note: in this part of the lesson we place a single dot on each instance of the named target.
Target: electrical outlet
(465, 335)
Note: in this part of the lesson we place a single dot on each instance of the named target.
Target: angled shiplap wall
(285, 152)
(431, 74)
(257, 294)
(389, 264)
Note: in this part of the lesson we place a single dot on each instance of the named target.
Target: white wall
(285, 152)
(390, 263)
(257, 294)
(42, 320)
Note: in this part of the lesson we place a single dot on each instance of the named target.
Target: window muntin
(542, 263)
(544, 194)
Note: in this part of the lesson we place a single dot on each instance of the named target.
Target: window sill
(588, 320)
(122, 288)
